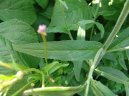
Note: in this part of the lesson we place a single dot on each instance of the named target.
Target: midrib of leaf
(59, 49)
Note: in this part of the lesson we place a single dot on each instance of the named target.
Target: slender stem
(8, 83)
(45, 48)
(96, 12)
(6, 65)
(21, 89)
(102, 51)
(96, 61)
(87, 83)
(70, 36)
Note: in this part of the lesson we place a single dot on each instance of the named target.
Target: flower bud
(42, 29)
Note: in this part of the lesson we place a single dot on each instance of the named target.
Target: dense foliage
(85, 51)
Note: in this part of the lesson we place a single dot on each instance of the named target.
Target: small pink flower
(42, 29)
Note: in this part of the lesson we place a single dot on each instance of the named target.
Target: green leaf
(16, 32)
(113, 74)
(101, 28)
(54, 66)
(101, 90)
(42, 3)
(77, 69)
(110, 11)
(66, 15)
(69, 50)
(122, 61)
(121, 41)
(17, 9)
(54, 91)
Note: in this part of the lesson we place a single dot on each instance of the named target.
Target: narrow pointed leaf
(68, 50)
(121, 41)
(54, 91)
(77, 69)
(101, 90)
(113, 74)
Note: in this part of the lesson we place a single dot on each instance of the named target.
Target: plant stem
(21, 89)
(96, 61)
(95, 15)
(45, 48)
(101, 52)
(88, 80)
(6, 65)
(70, 36)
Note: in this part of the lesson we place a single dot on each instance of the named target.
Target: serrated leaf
(101, 90)
(113, 74)
(66, 15)
(54, 91)
(69, 50)
(17, 9)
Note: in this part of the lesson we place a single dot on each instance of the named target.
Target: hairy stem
(102, 51)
